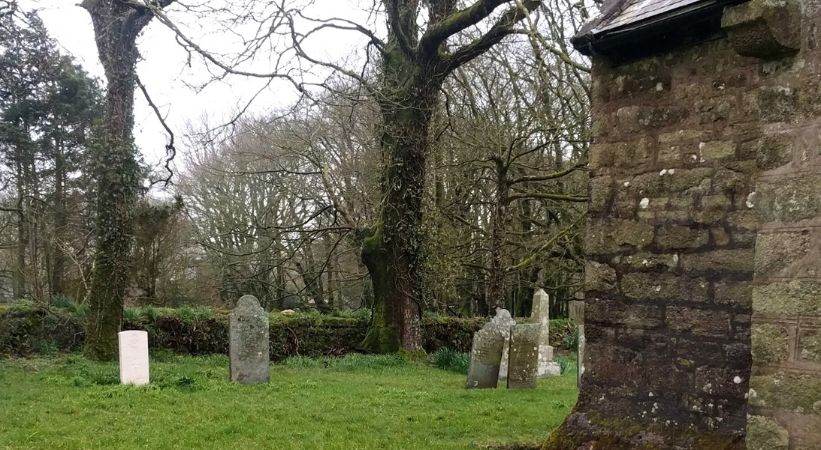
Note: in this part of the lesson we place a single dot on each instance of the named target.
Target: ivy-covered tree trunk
(116, 26)
(407, 98)
(393, 253)
(413, 71)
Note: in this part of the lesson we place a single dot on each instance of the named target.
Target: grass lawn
(357, 402)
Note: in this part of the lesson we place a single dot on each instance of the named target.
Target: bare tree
(509, 170)
(414, 59)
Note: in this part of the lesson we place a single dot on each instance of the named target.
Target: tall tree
(415, 64)
(416, 57)
(71, 109)
(117, 23)
(47, 106)
(27, 62)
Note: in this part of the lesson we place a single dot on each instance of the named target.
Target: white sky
(165, 73)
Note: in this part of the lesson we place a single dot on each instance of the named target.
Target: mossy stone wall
(31, 330)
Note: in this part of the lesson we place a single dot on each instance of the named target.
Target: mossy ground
(362, 402)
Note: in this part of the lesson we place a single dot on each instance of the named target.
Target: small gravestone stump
(248, 342)
(580, 356)
(133, 350)
(486, 354)
(540, 315)
(523, 371)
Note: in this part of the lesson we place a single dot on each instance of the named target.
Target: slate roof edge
(590, 41)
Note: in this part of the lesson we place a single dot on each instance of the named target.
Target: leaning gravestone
(486, 354)
(248, 342)
(540, 315)
(133, 350)
(523, 371)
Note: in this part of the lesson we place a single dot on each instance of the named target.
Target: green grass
(357, 402)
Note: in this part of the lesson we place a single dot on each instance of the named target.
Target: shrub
(570, 340)
(26, 328)
(566, 365)
(358, 314)
(452, 360)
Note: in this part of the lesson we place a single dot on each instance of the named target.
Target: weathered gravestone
(523, 371)
(580, 356)
(509, 322)
(505, 359)
(576, 308)
(540, 315)
(576, 311)
(133, 350)
(248, 342)
(486, 354)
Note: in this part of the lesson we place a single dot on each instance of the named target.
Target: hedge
(27, 329)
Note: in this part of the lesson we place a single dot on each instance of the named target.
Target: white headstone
(133, 357)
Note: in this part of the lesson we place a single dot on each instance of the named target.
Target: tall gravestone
(486, 354)
(580, 356)
(523, 371)
(509, 322)
(576, 308)
(540, 315)
(133, 352)
(248, 342)
(576, 311)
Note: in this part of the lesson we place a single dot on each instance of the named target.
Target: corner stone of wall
(785, 388)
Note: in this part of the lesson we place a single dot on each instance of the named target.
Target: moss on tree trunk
(116, 26)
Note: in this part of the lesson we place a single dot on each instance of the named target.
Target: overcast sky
(168, 78)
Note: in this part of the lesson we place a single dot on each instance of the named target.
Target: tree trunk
(58, 259)
(496, 282)
(413, 71)
(116, 27)
(19, 286)
(392, 253)
(312, 279)
(333, 288)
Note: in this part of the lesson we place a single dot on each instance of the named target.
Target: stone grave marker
(580, 356)
(576, 311)
(486, 354)
(133, 351)
(507, 322)
(540, 314)
(523, 371)
(248, 342)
